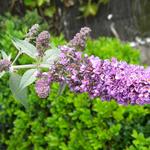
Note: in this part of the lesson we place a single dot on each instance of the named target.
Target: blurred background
(127, 20)
(130, 17)
(121, 29)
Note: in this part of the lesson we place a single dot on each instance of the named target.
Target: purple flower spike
(42, 88)
(80, 38)
(42, 85)
(107, 79)
(42, 42)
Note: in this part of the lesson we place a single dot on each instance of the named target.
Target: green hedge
(71, 121)
(106, 48)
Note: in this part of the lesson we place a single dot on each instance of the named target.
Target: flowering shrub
(73, 121)
(127, 84)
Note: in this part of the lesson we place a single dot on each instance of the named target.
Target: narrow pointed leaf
(28, 78)
(19, 94)
(4, 55)
(25, 47)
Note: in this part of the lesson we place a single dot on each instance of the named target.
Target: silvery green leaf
(5, 56)
(1, 74)
(28, 78)
(25, 47)
(19, 94)
(51, 56)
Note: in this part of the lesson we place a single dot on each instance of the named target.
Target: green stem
(19, 53)
(30, 66)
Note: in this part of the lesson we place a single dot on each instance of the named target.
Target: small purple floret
(4, 65)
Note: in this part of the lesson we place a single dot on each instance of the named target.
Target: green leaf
(5, 56)
(40, 2)
(134, 134)
(2, 73)
(53, 45)
(50, 11)
(51, 56)
(104, 1)
(30, 3)
(89, 9)
(28, 78)
(25, 47)
(19, 94)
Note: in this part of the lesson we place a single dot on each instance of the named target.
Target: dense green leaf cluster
(71, 121)
(106, 48)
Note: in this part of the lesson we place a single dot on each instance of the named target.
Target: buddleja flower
(4, 65)
(107, 79)
(42, 85)
(42, 42)
(80, 38)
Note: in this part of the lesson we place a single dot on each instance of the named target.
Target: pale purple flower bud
(33, 31)
(80, 38)
(42, 42)
(4, 65)
(38, 74)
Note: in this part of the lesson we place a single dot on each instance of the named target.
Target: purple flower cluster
(42, 42)
(4, 65)
(42, 85)
(108, 79)
(80, 38)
